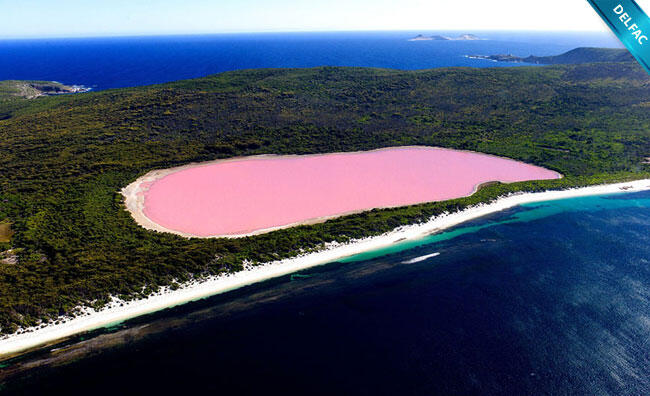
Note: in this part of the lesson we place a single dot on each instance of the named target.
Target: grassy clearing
(5, 232)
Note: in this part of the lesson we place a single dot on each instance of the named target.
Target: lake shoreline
(136, 193)
(118, 310)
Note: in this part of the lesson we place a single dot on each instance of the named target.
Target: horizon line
(170, 34)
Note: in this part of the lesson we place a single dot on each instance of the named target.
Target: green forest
(64, 159)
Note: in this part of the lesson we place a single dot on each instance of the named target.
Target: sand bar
(119, 311)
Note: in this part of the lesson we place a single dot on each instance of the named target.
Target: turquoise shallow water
(523, 213)
(550, 298)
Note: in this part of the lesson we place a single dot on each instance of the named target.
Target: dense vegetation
(64, 159)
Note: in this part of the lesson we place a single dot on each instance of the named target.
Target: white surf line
(421, 258)
(122, 310)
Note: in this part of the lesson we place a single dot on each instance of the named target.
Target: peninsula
(575, 56)
(35, 89)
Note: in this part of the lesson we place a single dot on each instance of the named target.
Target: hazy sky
(60, 18)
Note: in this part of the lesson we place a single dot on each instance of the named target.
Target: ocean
(103, 63)
(551, 298)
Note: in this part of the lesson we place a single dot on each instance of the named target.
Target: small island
(462, 37)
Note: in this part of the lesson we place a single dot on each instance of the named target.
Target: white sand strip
(119, 311)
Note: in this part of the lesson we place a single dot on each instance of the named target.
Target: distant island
(462, 37)
(575, 56)
(35, 89)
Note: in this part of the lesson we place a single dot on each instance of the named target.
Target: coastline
(134, 194)
(118, 311)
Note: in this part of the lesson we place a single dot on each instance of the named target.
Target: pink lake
(250, 195)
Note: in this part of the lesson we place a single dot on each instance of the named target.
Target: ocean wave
(421, 258)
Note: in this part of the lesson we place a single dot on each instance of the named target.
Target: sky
(84, 18)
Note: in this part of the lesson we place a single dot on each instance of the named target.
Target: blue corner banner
(630, 24)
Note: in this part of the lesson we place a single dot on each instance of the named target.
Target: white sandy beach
(119, 311)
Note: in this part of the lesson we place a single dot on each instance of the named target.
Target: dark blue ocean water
(103, 63)
(550, 298)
